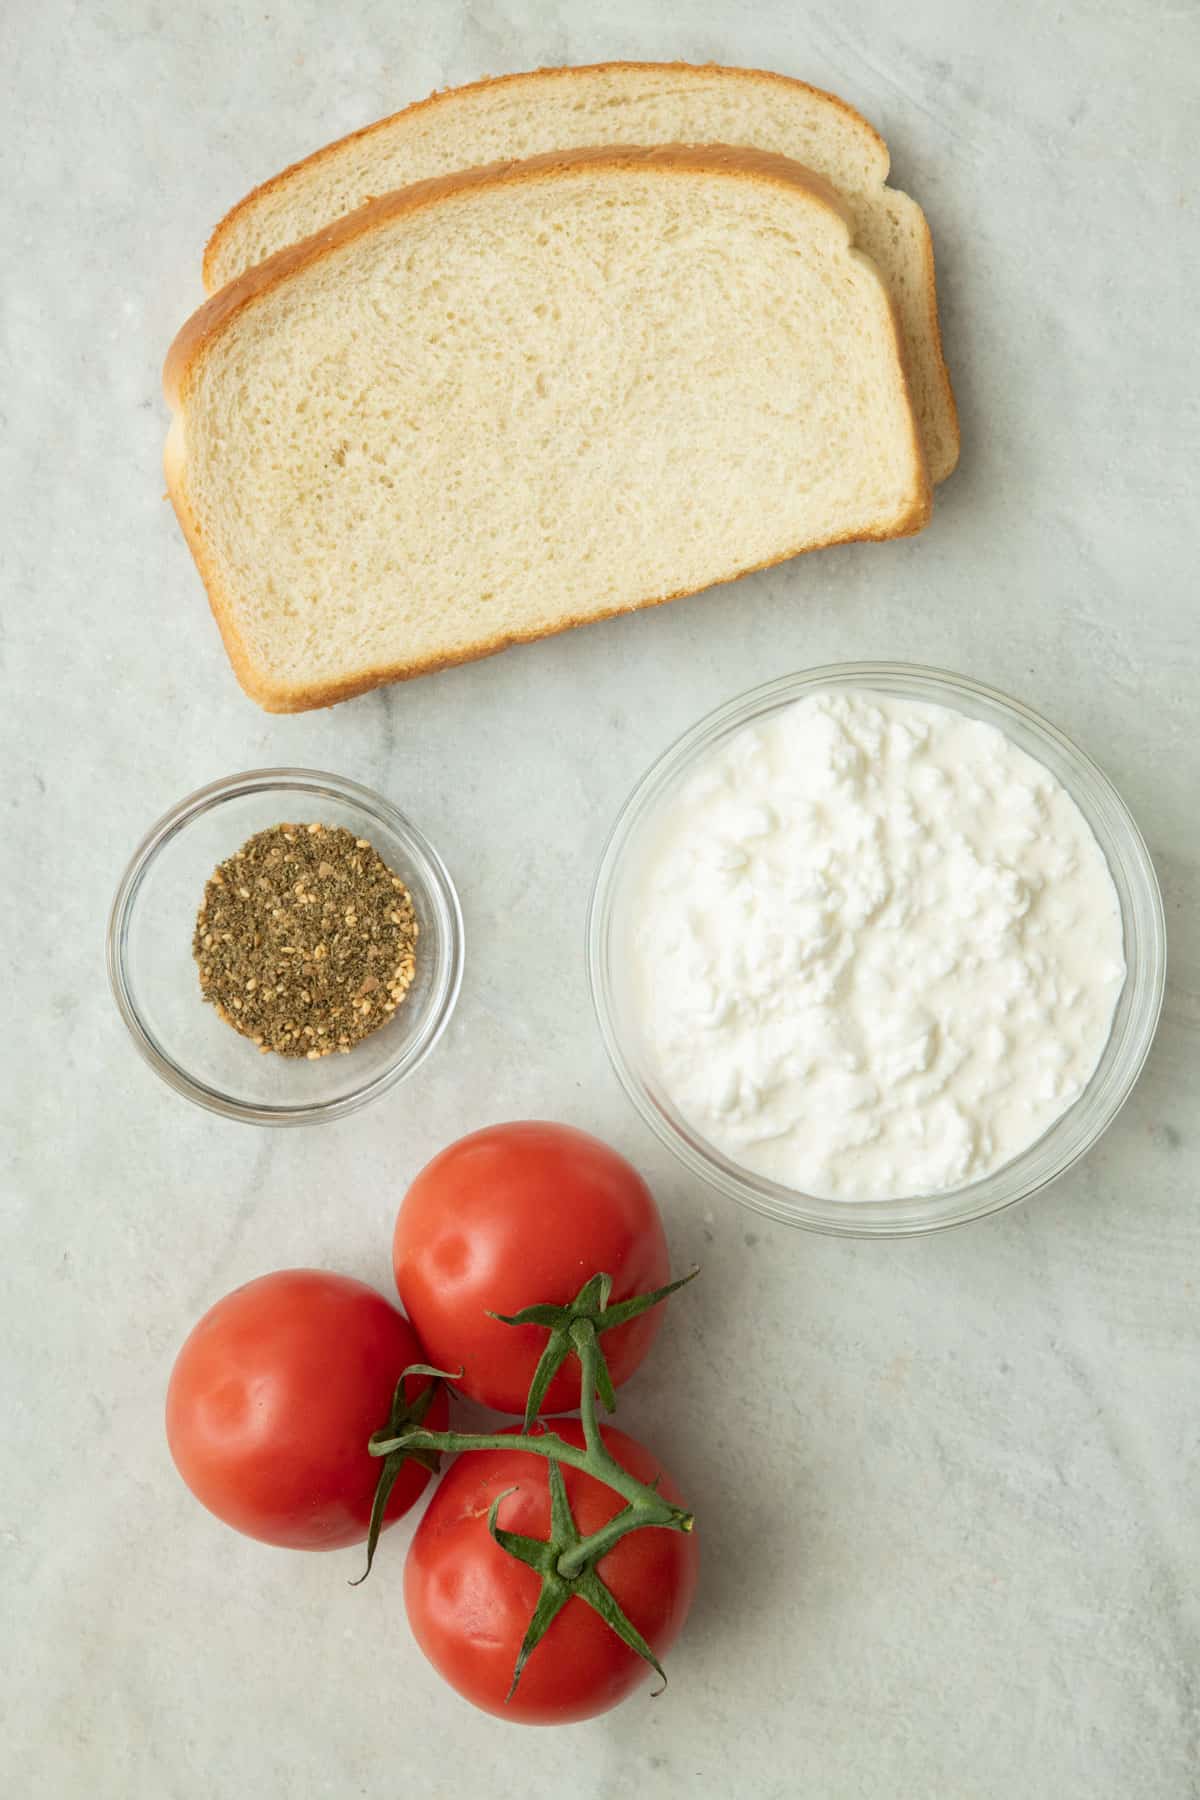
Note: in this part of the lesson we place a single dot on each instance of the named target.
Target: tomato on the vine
(273, 1398)
(517, 1215)
(470, 1602)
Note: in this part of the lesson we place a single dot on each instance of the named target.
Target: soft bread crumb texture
(535, 401)
(629, 104)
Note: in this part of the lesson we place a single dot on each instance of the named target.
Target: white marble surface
(948, 1489)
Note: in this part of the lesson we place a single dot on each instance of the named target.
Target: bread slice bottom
(491, 407)
(623, 103)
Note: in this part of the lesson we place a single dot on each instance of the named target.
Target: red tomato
(469, 1602)
(516, 1215)
(273, 1398)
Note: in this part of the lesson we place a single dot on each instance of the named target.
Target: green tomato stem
(583, 1336)
(645, 1506)
(646, 1510)
(567, 1563)
(649, 1507)
(588, 1552)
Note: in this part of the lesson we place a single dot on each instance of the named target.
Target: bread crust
(948, 429)
(224, 307)
(947, 467)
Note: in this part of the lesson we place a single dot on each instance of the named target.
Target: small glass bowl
(156, 984)
(1134, 1021)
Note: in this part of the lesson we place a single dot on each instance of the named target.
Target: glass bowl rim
(440, 1002)
(1017, 1180)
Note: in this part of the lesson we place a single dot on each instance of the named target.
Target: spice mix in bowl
(337, 931)
(306, 940)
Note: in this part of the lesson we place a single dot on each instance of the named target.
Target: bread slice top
(631, 104)
(494, 405)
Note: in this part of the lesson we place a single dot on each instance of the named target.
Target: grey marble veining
(947, 1488)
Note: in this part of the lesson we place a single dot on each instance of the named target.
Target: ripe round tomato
(513, 1216)
(469, 1602)
(273, 1398)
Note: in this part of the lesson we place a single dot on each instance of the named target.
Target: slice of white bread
(491, 406)
(623, 103)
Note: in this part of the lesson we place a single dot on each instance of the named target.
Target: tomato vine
(567, 1562)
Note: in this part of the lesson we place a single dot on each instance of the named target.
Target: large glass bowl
(1133, 1024)
(156, 984)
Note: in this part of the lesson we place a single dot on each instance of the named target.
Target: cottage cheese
(877, 948)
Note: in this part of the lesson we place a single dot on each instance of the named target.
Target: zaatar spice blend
(306, 940)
